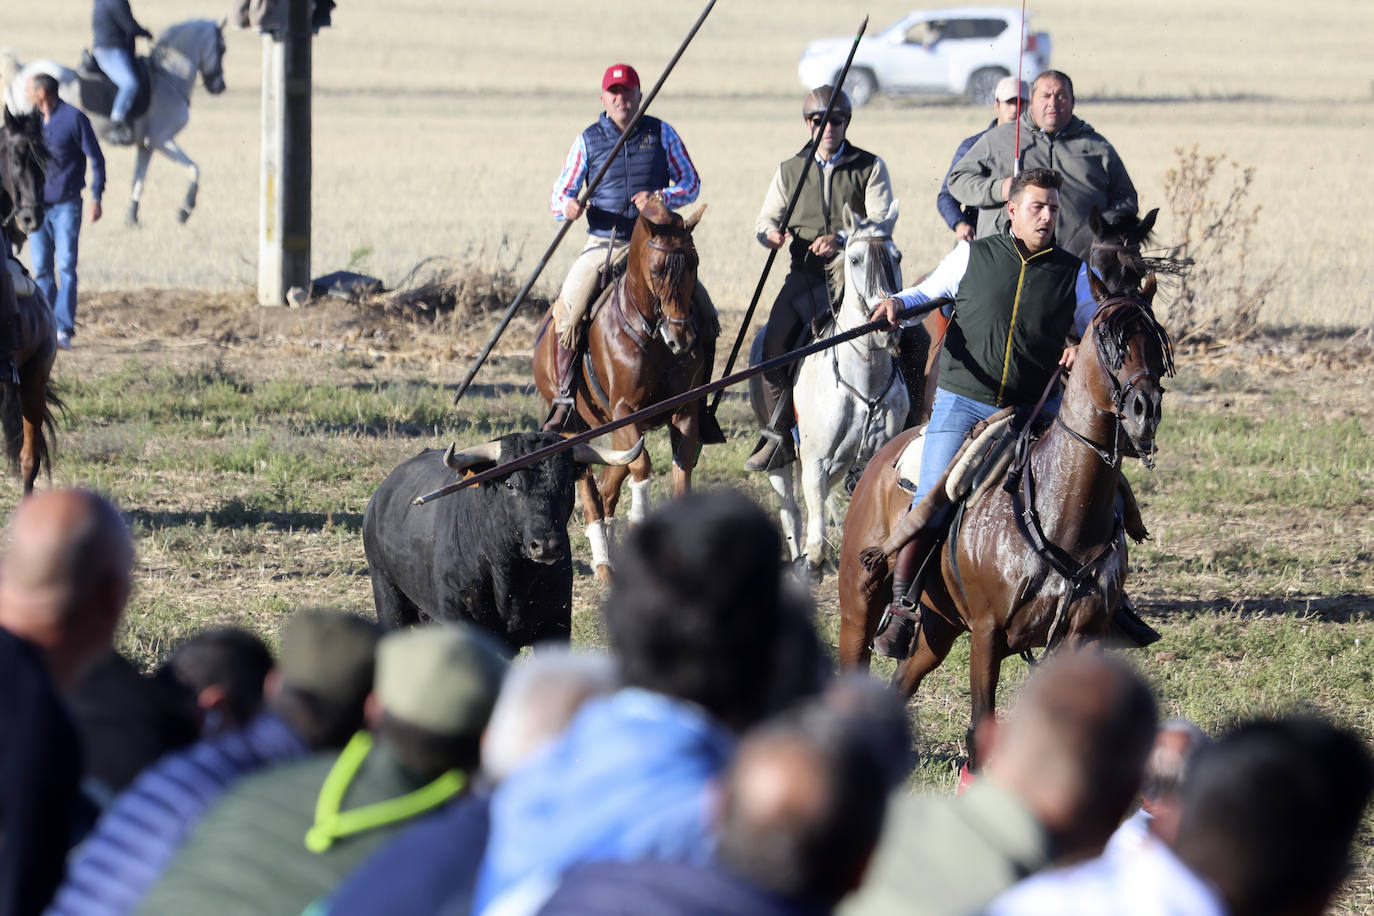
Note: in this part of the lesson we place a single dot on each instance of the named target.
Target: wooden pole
(284, 200)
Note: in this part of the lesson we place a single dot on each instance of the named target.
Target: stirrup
(559, 415)
(896, 629)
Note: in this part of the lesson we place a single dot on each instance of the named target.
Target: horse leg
(175, 153)
(594, 514)
(141, 160)
(934, 637)
(33, 401)
(986, 651)
(614, 477)
(789, 515)
(815, 486)
(685, 436)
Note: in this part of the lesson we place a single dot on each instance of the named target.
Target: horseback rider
(652, 164)
(114, 26)
(1016, 299)
(843, 174)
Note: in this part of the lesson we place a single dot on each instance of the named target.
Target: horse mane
(1116, 322)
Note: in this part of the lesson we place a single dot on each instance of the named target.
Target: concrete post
(284, 198)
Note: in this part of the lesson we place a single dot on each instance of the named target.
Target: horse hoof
(183, 215)
(603, 574)
(131, 215)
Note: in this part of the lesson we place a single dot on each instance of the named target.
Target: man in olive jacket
(841, 174)
(1051, 137)
(286, 836)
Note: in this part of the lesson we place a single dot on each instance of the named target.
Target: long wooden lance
(582, 199)
(791, 205)
(676, 401)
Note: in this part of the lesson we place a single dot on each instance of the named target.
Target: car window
(974, 28)
(923, 33)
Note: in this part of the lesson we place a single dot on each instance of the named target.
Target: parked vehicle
(958, 51)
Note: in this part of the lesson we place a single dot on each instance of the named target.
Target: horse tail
(12, 426)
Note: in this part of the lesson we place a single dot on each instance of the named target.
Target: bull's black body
(496, 554)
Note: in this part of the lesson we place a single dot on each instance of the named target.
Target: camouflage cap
(329, 653)
(441, 678)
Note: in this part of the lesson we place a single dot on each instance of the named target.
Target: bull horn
(489, 452)
(586, 453)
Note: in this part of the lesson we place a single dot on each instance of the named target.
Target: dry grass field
(245, 442)
(440, 127)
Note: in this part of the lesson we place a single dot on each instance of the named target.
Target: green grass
(247, 494)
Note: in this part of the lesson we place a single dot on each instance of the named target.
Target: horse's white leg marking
(789, 515)
(639, 500)
(596, 536)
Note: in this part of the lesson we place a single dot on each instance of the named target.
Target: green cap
(441, 678)
(330, 654)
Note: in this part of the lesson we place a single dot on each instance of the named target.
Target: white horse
(850, 399)
(182, 51)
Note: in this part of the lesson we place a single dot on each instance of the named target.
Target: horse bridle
(31, 148)
(656, 327)
(1120, 393)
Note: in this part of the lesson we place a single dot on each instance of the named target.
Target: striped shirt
(683, 188)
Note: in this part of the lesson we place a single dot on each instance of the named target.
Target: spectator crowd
(708, 763)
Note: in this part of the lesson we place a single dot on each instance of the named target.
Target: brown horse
(644, 345)
(993, 582)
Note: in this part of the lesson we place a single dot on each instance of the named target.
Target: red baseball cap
(620, 75)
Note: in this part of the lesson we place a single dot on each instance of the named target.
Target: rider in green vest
(841, 174)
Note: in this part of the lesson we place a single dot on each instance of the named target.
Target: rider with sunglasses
(841, 174)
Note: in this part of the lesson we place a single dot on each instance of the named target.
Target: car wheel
(983, 83)
(860, 86)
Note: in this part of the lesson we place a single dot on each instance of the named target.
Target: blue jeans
(951, 417)
(55, 241)
(119, 66)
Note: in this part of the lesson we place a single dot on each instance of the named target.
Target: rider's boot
(566, 358)
(120, 133)
(774, 448)
(898, 624)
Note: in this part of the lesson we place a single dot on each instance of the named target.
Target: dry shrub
(467, 293)
(1220, 296)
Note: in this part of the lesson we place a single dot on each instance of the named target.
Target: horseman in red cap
(652, 163)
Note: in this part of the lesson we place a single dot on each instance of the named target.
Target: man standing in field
(652, 164)
(1009, 99)
(842, 174)
(1051, 137)
(71, 146)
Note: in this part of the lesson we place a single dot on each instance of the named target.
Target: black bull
(496, 554)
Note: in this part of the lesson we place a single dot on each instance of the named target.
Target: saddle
(97, 91)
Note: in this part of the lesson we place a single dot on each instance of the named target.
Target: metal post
(284, 199)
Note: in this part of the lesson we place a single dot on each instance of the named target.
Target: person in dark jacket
(64, 581)
(1009, 99)
(114, 29)
(315, 701)
(653, 163)
(71, 146)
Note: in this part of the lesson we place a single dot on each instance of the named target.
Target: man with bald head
(64, 581)
(1060, 772)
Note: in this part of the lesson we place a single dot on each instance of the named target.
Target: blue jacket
(113, 25)
(430, 868)
(71, 143)
(666, 889)
(950, 210)
(627, 781)
(642, 164)
(142, 830)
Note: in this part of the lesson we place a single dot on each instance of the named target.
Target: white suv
(960, 51)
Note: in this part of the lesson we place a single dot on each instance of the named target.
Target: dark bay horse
(644, 345)
(23, 159)
(994, 582)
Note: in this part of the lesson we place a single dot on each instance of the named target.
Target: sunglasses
(835, 119)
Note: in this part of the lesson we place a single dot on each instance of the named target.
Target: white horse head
(191, 47)
(872, 261)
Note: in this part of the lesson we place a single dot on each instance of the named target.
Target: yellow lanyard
(333, 824)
